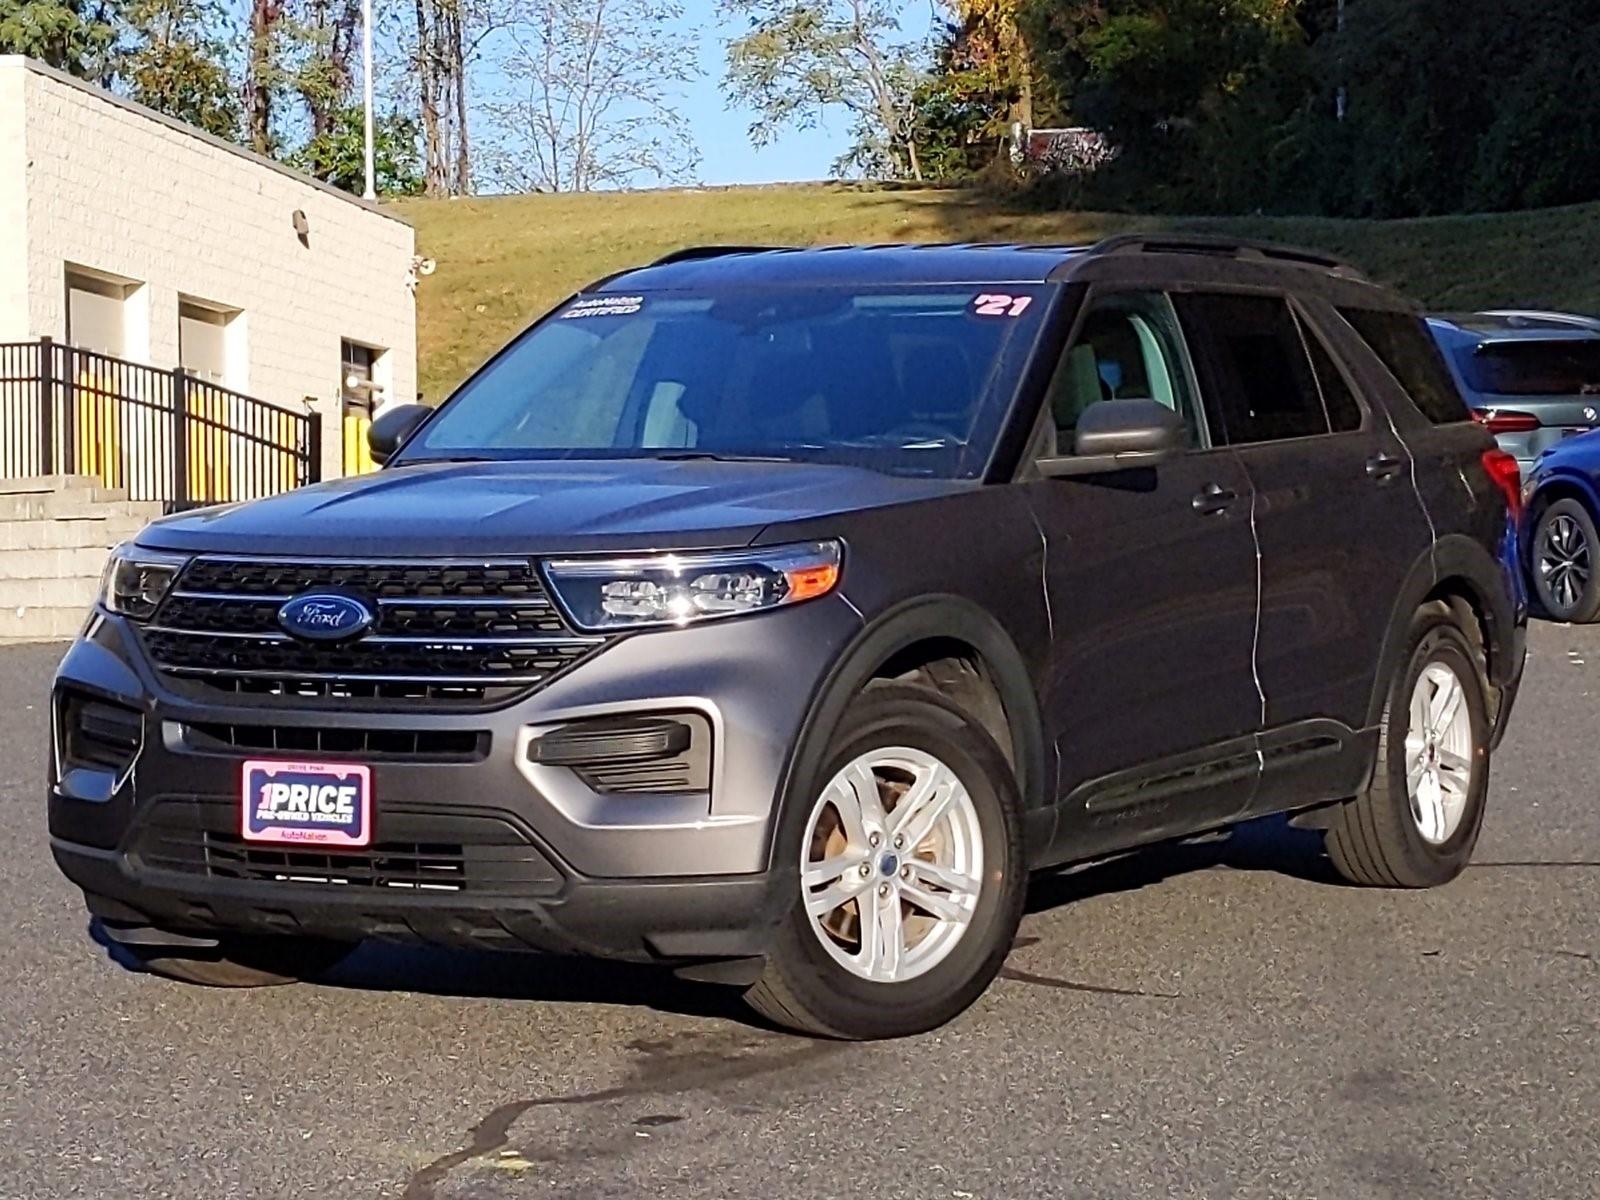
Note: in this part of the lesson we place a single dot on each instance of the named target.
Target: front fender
(941, 617)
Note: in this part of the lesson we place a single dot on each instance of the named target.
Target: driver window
(1128, 348)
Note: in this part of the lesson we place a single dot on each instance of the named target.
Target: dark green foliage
(1230, 105)
(338, 156)
(176, 63)
(75, 35)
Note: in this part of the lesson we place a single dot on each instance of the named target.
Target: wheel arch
(1565, 485)
(909, 639)
(1462, 574)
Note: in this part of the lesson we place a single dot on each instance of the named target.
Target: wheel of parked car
(239, 962)
(1564, 544)
(910, 874)
(1417, 823)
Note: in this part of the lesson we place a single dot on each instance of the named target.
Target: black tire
(801, 986)
(236, 962)
(1375, 840)
(1578, 605)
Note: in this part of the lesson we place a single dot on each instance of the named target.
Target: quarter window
(1402, 341)
(1259, 383)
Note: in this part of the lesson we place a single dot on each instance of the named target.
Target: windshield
(910, 381)
(1534, 368)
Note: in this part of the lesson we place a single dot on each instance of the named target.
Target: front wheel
(1418, 821)
(910, 874)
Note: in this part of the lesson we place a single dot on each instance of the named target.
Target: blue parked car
(1533, 378)
(1562, 505)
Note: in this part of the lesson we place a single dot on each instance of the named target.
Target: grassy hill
(504, 260)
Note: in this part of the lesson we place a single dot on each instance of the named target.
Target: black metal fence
(162, 435)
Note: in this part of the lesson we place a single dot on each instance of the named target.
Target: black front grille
(444, 632)
(381, 745)
(416, 866)
(416, 851)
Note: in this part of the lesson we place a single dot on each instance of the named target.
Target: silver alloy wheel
(1439, 753)
(1563, 560)
(892, 864)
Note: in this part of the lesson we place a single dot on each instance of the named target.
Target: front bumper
(532, 857)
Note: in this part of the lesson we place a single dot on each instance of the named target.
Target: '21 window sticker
(998, 304)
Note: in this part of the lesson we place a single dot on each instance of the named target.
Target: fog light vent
(669, 753)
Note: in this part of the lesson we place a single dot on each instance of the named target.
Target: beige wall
(13, 211)
(114, 188)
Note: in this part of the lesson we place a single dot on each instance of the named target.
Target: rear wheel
(910, 875)
(1562, 562)
(236, 962)
(1417, 824)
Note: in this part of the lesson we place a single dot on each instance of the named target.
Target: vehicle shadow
(1265, 845)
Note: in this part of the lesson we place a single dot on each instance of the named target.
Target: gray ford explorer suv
(771, 614)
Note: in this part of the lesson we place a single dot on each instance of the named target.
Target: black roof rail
(1231, 247)
(693, 253)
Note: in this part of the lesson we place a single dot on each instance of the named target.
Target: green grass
(504, 260)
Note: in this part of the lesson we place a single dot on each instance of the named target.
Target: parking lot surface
(1214, 1020)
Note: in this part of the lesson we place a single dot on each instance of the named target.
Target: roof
(986, 263)
(779, 266)
(33, 65)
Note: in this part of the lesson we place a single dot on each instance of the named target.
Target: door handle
(1384, 466)
(1213, 498)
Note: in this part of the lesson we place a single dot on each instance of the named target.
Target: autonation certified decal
(603, 306)
(320, 804)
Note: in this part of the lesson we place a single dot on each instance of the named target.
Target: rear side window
(1259, 383)
(1413, 358)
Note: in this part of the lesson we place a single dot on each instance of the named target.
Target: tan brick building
(127, 233)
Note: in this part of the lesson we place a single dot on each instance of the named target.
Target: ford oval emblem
(325, 617)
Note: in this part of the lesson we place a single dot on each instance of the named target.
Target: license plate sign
(307, 804)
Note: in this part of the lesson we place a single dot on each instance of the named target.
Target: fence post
(47, 407)
(69, 411)
(313, 459)
(180, 437)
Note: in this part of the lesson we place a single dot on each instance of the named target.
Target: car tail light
(1504, 473)
(1506, 420)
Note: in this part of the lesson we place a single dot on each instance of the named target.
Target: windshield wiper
(709, 456)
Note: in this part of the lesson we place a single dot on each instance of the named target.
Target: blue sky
(726, 153)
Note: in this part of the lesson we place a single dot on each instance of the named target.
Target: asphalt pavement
(1216, 1020)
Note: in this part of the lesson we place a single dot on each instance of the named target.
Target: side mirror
(1119, 435)
(390, 431)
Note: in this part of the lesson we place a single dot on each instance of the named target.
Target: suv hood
(538, 508)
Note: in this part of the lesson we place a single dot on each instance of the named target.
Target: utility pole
(1341, 101)
(371, 192)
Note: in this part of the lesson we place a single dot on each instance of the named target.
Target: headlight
(676, 589)
(136, 580)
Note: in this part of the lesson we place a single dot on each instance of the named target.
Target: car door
(1338, 523)
(1150, 576)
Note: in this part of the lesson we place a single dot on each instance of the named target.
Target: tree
(264, 76)
(799, 58)
(446, 36)
(75, 35)
(592, 105)
(176, 64)
(338, 154)
(327, 31)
